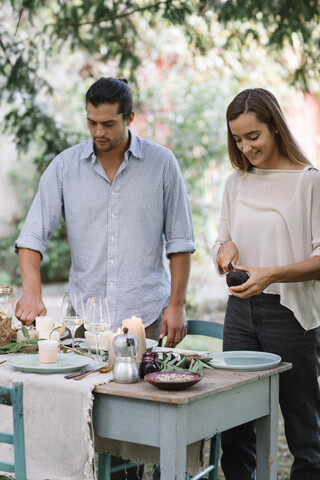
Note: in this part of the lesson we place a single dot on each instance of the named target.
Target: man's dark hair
(111, 90)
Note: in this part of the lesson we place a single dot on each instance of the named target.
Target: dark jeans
(262, 323)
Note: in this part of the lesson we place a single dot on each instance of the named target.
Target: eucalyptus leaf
(184, 363)
(25, 332)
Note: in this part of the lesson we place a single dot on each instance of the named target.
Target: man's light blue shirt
(116, 230)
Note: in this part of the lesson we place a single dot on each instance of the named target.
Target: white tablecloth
(57, 421)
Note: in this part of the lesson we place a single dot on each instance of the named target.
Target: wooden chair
(195, 327)
(14, 397)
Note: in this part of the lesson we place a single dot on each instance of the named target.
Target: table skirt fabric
(145, 453)
(59, 438)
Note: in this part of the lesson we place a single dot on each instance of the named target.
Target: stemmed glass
(72, 312)
(97, 319)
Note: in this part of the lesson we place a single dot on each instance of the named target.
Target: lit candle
(112, 355)
(135, 327)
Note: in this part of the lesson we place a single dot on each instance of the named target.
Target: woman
(270, 227)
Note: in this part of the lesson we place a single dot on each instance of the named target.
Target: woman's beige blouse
(273, 216)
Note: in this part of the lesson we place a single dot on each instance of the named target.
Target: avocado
(236, 277)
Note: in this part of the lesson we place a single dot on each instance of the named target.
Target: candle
(135, 327)
(112, 355)
(48, 351)
(49, 334)
(44, 324)
(45, 328)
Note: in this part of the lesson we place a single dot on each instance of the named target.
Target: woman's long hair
(267, 109)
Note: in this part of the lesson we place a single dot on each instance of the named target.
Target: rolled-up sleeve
(45, 212)
(178, 226)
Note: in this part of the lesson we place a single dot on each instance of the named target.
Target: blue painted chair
(195, 327)
(105, 470)
(14, 397)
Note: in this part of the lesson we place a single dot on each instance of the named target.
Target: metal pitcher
(125, 347)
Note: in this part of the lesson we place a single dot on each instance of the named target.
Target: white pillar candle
(48, 351)
(49, 335)
(135, 327)
(44, 323)
(55, 335)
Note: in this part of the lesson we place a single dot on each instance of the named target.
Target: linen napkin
(59, 437)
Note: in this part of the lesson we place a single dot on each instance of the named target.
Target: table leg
(173, 447)
(267, 436)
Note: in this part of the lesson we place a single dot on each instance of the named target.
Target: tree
(33, 31)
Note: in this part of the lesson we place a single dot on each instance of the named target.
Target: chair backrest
(208, 329)
(14, 398)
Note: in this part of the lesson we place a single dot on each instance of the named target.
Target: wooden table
(141, 413)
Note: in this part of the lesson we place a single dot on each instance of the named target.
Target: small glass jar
(7, 302)
(149, 364)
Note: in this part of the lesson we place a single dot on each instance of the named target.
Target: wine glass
(72, 312)
(97, 320)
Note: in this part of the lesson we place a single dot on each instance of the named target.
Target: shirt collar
(134, 148)
(87, 150)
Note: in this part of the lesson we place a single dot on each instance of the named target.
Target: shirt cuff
(31, 243)
(179, 245)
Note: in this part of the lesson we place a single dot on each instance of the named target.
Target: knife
(85, 369)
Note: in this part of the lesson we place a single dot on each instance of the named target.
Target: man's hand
(29, 307)
(174, 324)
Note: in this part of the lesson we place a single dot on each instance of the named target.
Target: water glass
(97, 319)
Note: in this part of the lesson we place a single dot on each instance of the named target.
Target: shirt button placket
(112, 229)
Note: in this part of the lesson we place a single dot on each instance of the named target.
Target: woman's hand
(260, 279)
(227, 253)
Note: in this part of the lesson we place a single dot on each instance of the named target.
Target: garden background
(185, 61)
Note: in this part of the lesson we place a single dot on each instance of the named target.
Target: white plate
(150, 343)
(244, 360)
(65, 363)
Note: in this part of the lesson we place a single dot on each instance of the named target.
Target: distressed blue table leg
(267, 436)
(173, 437)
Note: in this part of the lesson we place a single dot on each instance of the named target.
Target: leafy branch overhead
(33, 31)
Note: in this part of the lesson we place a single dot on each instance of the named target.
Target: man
(122, 198)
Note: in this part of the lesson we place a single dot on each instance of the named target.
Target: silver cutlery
(103, 369)
(85, 369)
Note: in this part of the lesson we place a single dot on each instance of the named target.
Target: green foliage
(277, 25)
(56, 264)
(33, 31)
(10, 272)
(194, 129)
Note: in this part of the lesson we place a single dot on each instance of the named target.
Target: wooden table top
(214, 381)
